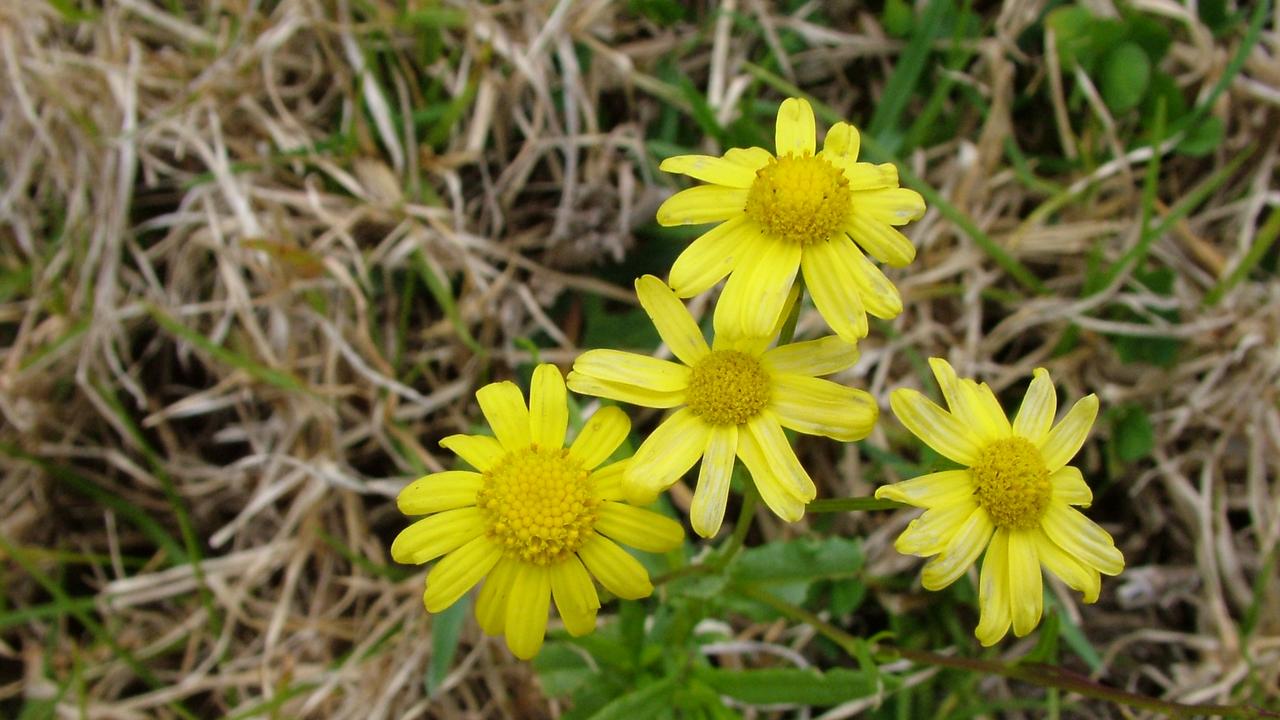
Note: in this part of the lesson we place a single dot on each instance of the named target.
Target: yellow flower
(1014, 498)
(794, 212)
(733, 400)
(536, 520)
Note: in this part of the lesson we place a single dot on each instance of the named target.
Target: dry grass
(218, 222)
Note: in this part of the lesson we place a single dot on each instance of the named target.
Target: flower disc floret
(538, 504)
(799, 199)
(1012, 483)
(728, 387)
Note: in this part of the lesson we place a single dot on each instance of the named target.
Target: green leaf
(1148, 33)
(799, 686)
(1131, 432)
(561, 669)
(647, 702)
(1125, 77)
(897, 18)
(1080, 37)
(805, 559)
(1204, 138)
(663, 12)
(446, 628)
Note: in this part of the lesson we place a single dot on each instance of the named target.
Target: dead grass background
(207, 210)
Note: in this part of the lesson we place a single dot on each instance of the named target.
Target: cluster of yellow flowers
(537, 521)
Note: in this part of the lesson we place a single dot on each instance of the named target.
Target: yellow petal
(930, 533)
(1069, 487)
(1081, 538)
(479, 451)
(984, 401)
(796, 133)
(600, 436)
(757, 290)
(616, 570)
(669, 451)
(778, 498)
(639, 528)
(866, 176)
(702, 204)
(712, 256)
(823, 356)
(1026, 592)
(784, 467)
(930, 491)
(880, 240)
(431, 537)
(709, 499)
(879, 296)
(503, 406)
(575, 596)
(968, 542)
(993, 591)
(1039, 405)
(710, 169)
(820, 407)
(966, 403)
(1074, 573)
(752, 158)
(491, 603)
(631, 369)
(631, 394)
(526, 624)
(891, 206)
(458, 572)
(608, 480)
(842, 141)
(439, 491)
(837, 298)
(1064, 440)
(672, 320)
(936, 427)
(548, 407)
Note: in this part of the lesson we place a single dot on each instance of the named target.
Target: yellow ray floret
(535, 520)
(803, 210)
(1013, 498)
(731, 400)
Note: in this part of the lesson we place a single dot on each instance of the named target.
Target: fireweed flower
(1014, 498)
(793, 212)
(536, 520)
(733, 399)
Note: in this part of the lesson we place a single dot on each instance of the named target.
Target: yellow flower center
(538, 503)
(728, 387)
(1012, 483)
(801, 199)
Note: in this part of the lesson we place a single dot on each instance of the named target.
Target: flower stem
(1047, 676)
(852, 504)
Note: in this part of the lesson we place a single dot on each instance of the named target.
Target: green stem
(1047, 676)
(852, 504)
(746, 513)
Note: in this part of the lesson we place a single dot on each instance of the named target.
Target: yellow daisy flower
(1014, 498)
(733, 399)
(794, 212)
(535, 522)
